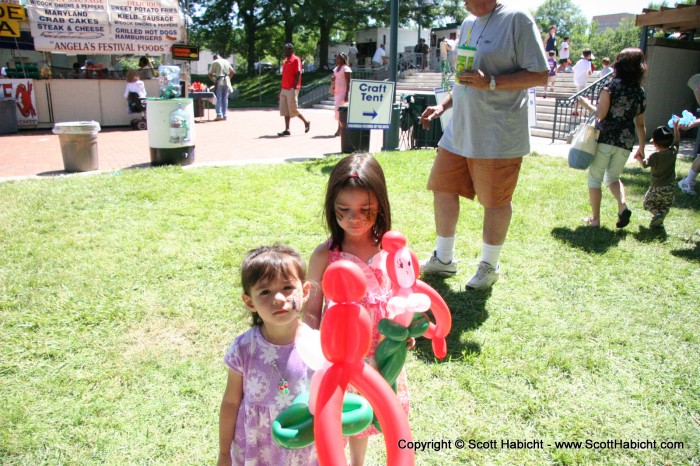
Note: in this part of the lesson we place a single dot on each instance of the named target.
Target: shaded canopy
(683, 18)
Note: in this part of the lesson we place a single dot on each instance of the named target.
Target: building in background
(611, 21)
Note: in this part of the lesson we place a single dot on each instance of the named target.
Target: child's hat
(663, 135)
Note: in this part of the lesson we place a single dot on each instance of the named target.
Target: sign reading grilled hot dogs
(105, 26)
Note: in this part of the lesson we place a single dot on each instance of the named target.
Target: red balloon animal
(412, 295)
(346, 335)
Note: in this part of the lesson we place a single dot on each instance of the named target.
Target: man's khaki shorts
(288, 102)
(492, 181)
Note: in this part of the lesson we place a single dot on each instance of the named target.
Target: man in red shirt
(291, 83)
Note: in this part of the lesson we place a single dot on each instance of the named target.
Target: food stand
(52, 34)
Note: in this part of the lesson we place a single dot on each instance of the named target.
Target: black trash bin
(425, 137)
(198, 107)
(351, 140)
(8, 116)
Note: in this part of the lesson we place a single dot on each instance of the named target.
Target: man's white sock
(445, 251)
(490, 254)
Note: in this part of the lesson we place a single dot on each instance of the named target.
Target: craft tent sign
(105, 26)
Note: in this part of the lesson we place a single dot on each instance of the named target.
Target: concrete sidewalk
(248, 136)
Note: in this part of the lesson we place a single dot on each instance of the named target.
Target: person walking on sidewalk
(289, 92)
(221, 72)
(470, 161)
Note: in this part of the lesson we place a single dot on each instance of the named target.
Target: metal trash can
(78, 144)
(8, 116)
(171, 131)
(351, 140)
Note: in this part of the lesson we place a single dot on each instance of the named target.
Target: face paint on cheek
(372, 216)
(339, 216)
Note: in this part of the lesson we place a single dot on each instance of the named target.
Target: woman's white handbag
(583, 145)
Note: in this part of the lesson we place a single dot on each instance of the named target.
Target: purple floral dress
(379, 291)
(253, 356)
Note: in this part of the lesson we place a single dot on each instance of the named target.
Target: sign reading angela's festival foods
(105, 26)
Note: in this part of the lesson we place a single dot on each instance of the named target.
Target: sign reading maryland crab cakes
(105, 26)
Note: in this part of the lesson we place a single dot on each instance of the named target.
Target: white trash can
(78, 144)
(171, 131)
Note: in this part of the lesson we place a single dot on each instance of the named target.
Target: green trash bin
(351, 140)
(424, 137)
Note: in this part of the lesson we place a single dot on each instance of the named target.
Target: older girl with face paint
(357, 214)
(265, 372)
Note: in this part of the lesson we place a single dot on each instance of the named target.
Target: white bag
(583, 146)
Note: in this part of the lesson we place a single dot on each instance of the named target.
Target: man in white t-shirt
(352, 55)
(477, 159)
(379, 59)
(564, 52)
(582, 70)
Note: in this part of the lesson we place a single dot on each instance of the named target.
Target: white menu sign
(105, 26)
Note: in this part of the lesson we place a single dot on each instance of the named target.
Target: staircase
(564, 87)
(418, 81)
(413, 82)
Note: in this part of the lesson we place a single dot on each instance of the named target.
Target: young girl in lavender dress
(265, 372)
(358, 214)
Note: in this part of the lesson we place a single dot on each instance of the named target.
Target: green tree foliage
(610, 42)
(211, 26)
(329, 18)
(454, 11)
(565, 15)
(258, 29)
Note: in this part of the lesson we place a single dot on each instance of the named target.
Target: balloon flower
(346, 337)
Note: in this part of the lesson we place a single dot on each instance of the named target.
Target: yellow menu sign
(10, 16)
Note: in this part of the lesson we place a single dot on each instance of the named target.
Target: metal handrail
(313, 93)
(568, 113)
(316, 92)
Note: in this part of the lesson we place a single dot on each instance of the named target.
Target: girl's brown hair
(357, 171)
(630, 66)
(268, 263)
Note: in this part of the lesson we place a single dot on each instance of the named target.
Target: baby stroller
(137, 108)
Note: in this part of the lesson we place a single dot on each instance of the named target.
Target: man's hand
(429, 114)
(474, 78)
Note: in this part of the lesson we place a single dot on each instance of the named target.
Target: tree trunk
(323, 43)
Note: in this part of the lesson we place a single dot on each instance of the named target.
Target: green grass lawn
(119, 294)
